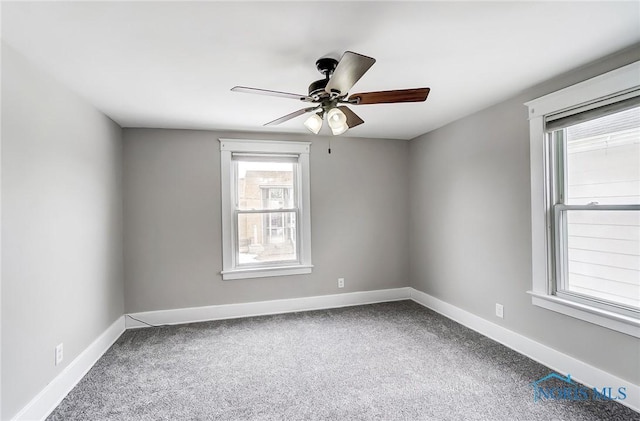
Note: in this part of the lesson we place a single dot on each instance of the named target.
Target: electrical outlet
(340, 282)
(59, 354)
(500, 310)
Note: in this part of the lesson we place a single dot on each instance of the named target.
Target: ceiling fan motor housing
(316, 89)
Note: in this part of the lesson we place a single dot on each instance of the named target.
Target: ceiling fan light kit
(337, 121)
(314, 123)
(329, 93)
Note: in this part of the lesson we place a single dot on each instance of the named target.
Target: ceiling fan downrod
(326, 66)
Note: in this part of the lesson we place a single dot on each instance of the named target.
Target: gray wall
(470, 216)
(448, 211)
(61, 228)
(172, 241)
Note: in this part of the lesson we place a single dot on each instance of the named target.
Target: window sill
(610, 320)
(228, 275)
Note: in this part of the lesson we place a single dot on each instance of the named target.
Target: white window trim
(229, 146)
(612, 83)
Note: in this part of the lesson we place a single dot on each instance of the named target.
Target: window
(266, 226)
(280, 228)
(585, 186)
(596, 210)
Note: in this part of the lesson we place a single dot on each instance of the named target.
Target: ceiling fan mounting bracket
(326, 66)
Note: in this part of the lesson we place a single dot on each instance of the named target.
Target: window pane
(603, 160)
(603, 255)
(266, 237)
(265, 185)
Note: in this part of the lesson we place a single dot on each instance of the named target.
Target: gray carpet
(389, 361)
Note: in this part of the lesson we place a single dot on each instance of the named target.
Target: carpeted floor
(389, 361)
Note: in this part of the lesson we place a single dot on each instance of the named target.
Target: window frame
(231, 269)
(606, 88)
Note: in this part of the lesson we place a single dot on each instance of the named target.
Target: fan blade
(349, 70)
(352, 118)
(290, 116)
(387, 97)
(248, 90)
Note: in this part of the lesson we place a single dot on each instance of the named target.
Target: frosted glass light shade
(314, 123)
(337, 121)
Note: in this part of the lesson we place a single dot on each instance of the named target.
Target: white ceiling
(171, 64)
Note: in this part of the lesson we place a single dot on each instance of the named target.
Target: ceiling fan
(329, 93)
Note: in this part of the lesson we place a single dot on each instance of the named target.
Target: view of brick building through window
(266, 212)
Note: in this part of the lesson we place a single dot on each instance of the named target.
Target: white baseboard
(556, 360)
(261, 308)
(42, 405)
(51, 396)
